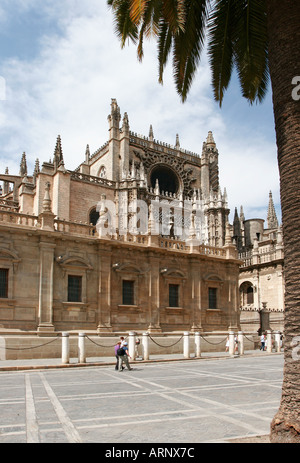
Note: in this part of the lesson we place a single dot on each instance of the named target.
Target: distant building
(261, 280)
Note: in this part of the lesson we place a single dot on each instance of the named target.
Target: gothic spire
(210, 139)
(36, 169)
(151, 133)
(242, 215)
(237, 234)
(272, 217)
(87, 154)
(23, 166)
(125, 124)
(236, 216)
(58, 154)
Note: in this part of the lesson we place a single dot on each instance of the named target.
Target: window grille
(74, 288)
(128, 292)
(3, 282)
(212, 298)
(173, 295)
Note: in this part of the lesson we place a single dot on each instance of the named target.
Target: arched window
(94, 216)
(250, 299)
(167, 179)
(102, 172)
(247, 293)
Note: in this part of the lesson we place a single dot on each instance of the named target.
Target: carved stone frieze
(151, 158)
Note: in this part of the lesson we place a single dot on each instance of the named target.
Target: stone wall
(40, 260)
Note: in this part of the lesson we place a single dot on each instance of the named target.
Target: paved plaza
(188, 402)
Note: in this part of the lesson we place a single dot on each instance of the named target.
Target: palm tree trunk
(284, 62)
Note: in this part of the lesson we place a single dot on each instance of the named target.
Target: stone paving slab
(27, 364)
(211, 400)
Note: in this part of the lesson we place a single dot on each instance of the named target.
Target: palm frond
(164, 46)
(123, 24)
(251, 49)
(173, 12)
(188, 45)
(220, 45)
(237, 36)
(137, 8)
(148, 19)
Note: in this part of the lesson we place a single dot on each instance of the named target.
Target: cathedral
(135, 238)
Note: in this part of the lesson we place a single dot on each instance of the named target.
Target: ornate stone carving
(150, 159)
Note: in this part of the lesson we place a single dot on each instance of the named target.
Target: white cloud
(67, 90)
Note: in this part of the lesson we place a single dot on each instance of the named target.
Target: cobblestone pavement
(193, 401)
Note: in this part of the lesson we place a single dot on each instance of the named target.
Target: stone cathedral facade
(261, 280)
(136, 238)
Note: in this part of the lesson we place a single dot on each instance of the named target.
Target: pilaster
(154, 295)
(61, 194)
(196, 302)
(45, 315)
(104, 289)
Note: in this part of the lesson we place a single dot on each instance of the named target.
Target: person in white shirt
(262, 342)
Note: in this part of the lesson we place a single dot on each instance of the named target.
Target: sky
(61, 63)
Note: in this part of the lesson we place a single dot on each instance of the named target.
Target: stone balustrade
(11, 217)
(76, 228)
(7, 204)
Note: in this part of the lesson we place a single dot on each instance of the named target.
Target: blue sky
(62, 64)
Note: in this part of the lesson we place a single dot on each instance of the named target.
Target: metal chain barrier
(166, 346)
(213, 343)
(112, 345)
(100, 345)
(32, 347)
(251, 340)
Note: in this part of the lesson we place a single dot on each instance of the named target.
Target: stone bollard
(269, 341)
(81, 348)
(145, 346)
(2, 348)
(186, 345)
(131, 345)
(65, 351)
(197, 345)
(241, 342)
(277, 341)
(231, 343)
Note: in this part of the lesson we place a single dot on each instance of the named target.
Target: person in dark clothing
(117, 346)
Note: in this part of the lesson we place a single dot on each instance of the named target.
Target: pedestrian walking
(236, 344)
(227, 344)
(262, 342)
(123, 356)
(117, 347)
